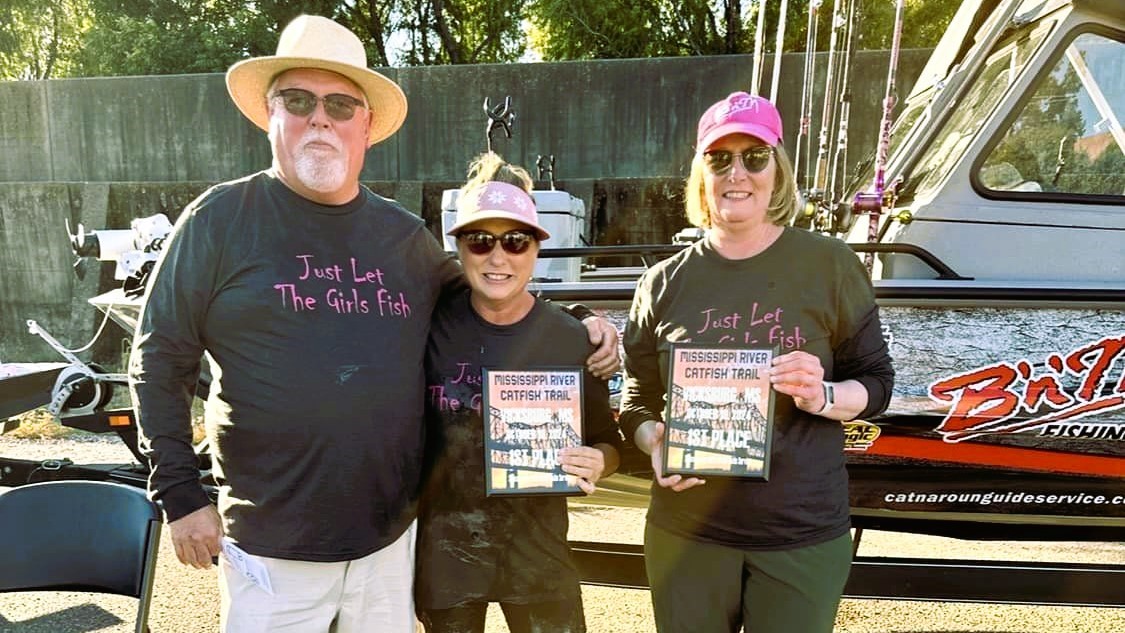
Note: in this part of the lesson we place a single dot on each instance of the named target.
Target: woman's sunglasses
(299, 102)
(482, 242)
(754, 160)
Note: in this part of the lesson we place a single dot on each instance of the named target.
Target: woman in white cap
(474, 549)
(771, 556)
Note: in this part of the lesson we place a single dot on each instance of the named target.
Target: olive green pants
(707, 588)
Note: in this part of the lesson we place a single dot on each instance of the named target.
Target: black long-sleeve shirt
(477, 548)
(806, 292)
(314, 320)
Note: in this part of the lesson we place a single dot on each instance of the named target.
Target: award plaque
(719, 414)
(529, 416)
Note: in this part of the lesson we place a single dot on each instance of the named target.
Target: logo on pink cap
(739, 113)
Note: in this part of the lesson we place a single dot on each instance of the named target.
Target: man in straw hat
(311, 297)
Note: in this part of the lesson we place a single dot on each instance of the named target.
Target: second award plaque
(719, 415)
(529, 417)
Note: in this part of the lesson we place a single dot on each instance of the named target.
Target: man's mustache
(319, 138)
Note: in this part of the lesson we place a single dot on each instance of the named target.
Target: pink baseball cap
(497, 200)
(739, 113)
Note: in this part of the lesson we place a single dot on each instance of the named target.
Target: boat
(995, 233)
(26, 386)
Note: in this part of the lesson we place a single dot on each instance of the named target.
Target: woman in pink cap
(723, 553)
(474, 549)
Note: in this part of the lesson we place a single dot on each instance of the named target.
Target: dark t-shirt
(314, 319)
(806, 292)
(475, 548)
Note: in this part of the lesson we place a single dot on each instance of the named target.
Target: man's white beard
(320, 172)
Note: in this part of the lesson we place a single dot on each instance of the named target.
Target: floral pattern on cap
(497, 200)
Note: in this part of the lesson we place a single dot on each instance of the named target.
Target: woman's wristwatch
(829, 398)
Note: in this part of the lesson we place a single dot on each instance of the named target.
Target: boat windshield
(865, 171)
(1000, 70)
(1068, 136)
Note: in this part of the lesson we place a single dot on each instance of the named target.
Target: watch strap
(829, 398)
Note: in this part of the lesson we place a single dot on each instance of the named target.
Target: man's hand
(196, 537)
(650, 439)
(605, 361)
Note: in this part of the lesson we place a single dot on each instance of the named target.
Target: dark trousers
(564, 616)
(707, 588)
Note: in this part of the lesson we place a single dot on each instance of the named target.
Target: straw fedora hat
(311, 41)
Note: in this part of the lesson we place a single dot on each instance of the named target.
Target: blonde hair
(489, 167)
(783, 201)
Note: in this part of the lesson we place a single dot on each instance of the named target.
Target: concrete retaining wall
(104, 151)
(601, 119)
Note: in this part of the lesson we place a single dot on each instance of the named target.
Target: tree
(462, 31)
(924, 22)
(182, 36)
(39, 40)
(372, 21)
(137, 37)
(597, 29)
(131, 37)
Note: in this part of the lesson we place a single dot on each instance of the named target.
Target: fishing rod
(819, 193)
(779, 46)
(840, 157)
(873, 201)
(759, 41)
(804, 138)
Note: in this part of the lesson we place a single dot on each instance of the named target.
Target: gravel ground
(185, 600)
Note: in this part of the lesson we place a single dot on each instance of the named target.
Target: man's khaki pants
(373, 593)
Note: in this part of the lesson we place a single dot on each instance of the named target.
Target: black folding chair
(90, 536)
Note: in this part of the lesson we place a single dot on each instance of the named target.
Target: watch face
(829, 394)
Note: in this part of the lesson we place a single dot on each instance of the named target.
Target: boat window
(1068, 137)
(947, 149)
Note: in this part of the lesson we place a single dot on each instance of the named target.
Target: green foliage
(181, 36)
(462, 31)
(372, 21)
(39, 40)
(924, 20)
(595, 29)
(131, 37)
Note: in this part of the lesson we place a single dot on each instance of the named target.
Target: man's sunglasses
(299, 102)
(515, 242)
(754, 160)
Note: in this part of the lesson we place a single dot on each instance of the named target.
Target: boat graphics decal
(1065, 388)
(860, 435)
(1040, 392)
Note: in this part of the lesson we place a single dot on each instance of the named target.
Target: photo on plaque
(530, 415)
(719, 414)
